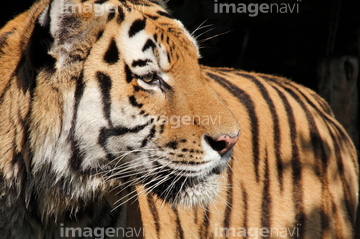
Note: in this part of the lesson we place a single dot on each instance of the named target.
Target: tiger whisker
(201, 26)
(126, 153)
(123, 203)
(138, 179)
(203, 33)
(217, 35)
(154, 171)
(119, 158)
(141, 193)
(124, 166)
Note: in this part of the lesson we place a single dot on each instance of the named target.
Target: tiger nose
(222, 144)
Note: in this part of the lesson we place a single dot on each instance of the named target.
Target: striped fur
(90, 105)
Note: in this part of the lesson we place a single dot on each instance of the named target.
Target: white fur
(90, 119)
(44, 17)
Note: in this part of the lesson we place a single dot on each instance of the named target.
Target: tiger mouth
(186, 190)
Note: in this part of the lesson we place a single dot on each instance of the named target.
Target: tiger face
(121, 101)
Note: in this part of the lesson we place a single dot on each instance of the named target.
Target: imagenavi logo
(254, 9)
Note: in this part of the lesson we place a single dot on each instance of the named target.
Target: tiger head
(119, 98)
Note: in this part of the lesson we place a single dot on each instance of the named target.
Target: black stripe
(99, 35)
(105, 86)
(229, 197)
(112, 54)
(101, 1)
(179, 230)
(245, 201)
(149, 44)
(161, 36)
(296, 166)
(106, 133)
(154, 213)
(162, 127)
(138, 88)
(323, 104)
(111, 14)
(168, 57)
(137, 26)
(349, 145)
(165, 14)
(38, 54)
(276, 127)
(155, 37)
(140, 63)
(121, 16)
(152, 17)
(164, 86)
(245, 100)
(128, 73)
(3, 41)
(6, 89)
(340, 166)
(206, 223)
(266, 200)
(149, 137)
(134, 102)
(77, 156)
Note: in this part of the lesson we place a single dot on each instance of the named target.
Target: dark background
(289, 45)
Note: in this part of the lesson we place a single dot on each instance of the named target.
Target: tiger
(111, 128)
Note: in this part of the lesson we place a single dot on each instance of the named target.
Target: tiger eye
(148, 78)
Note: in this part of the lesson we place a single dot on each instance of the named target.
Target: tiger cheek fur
(108, 121)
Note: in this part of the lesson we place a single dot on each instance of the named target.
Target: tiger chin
(190, 191)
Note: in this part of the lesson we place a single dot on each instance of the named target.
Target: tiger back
(110, 128)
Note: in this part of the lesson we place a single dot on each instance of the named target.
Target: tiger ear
(66, 26)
